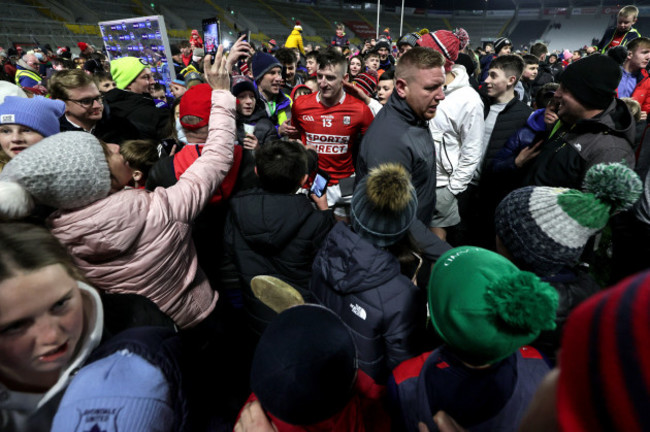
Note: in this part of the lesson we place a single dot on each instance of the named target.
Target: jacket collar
(404, 110)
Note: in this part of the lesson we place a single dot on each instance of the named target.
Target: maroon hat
(445, 42)
(197, 102)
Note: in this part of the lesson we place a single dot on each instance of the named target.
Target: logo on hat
(98, 420)
(346, 120)
(7, 118)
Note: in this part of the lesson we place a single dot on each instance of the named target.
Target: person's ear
(346, 77)
(255, 169)
(137, 175)
(401, 87)
(512, 80)
(302, 182)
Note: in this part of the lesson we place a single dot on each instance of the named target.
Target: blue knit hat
(41, 114)
(261, 63)
(121, 392)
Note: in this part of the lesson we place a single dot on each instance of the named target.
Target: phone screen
(319, 185)
(211, 37)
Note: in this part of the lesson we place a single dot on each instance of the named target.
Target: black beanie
(305, 365)
(592, 80)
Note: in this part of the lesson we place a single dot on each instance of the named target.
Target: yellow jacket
(295, 41)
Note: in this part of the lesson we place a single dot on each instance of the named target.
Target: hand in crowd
(444, 422)
(253, 419)
(355, 91)
(528, 153)
(286, 129)
(239, 49)
(250, 142)
(216, 73)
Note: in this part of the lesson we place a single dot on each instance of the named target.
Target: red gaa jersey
(333, 131)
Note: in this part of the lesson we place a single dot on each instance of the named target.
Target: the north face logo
(358, 311)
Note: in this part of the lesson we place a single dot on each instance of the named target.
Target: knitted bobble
(523, 302)
(462, 36)
(15, 201)
(614, 184)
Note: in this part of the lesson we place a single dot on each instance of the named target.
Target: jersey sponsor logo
(329, 144)
(308, 118)
(346, 120)
(358, 311)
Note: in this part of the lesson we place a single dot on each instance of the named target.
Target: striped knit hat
(447, 43)
(367, 81)
(546, 228)
(604, 382)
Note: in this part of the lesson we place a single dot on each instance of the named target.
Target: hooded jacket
(641, 92)
(363, 285)
(398, 135)
(139, 242)
(140, 111)
(571, 150)
(277, 235)
(295, 41)
(460, 118)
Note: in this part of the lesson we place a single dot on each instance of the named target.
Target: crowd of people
(407, 235)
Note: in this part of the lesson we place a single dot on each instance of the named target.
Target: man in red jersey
(332, 123)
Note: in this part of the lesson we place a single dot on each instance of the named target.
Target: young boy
(635, 82)
(504, 115)
(104, 81)
(531, 67)
(623, 33)
(311, 63)
(141, 155)
(486, 311)
(273, 231)
(371, 61)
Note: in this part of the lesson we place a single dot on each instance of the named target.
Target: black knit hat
(305, 365)
(592, 80)
(500, 43)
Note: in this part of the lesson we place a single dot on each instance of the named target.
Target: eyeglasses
(88, 102)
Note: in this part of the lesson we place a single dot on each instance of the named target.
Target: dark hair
(387, 75)
(184, 44)
(281, 165)
(511, 64)
(27, 248)
(370, 54)
(545, 94)
(158, 87)
(286, 56)
(331, 57)
(312, 54)
(530, 59)
(538, 49)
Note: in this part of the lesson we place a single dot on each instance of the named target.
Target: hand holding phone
(319, 185)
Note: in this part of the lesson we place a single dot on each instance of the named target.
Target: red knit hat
(367, 81)
(445, 42)
(197, 102)
(604, 382)
(83, 46)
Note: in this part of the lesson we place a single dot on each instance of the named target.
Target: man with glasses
(83, 102)
(27, 71)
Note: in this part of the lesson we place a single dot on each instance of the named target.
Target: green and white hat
(547, 228)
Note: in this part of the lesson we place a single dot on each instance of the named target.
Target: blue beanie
(121, 392)
(262, 63)
(39, 113)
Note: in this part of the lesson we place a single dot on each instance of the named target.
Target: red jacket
(641, 92)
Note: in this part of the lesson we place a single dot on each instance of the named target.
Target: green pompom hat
(484, 307)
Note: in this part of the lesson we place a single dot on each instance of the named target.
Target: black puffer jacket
(265, 132)
(567, 155)
(510, 120)
(277, 235)
(397, 135)
(363, 285)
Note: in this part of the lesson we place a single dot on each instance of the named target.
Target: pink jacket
(140, 242)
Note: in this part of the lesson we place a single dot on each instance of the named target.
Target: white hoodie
(460, 118)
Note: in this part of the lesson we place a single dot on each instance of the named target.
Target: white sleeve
(472, 128)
